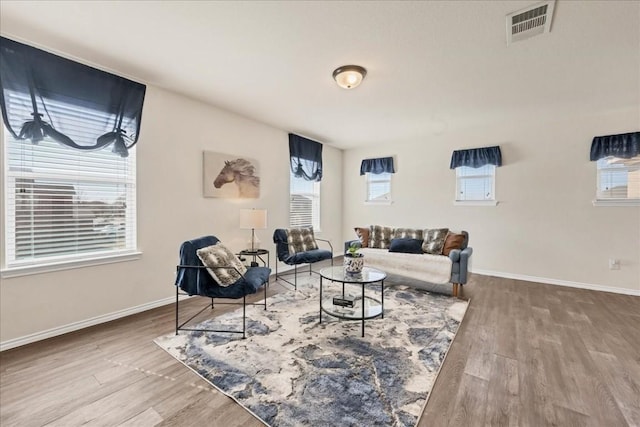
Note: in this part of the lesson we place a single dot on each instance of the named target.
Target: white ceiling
(433, 67)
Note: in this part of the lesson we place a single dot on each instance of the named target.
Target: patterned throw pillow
(434, 239)
(380, 237)
(301, 240)
(453, 241)
(363, 235)
(407, 233)
(219, 255)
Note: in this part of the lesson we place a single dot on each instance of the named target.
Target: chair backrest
(187, 278)
(282, 244)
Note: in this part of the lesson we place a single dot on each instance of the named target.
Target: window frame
(314, 195)
(493, 201)
(368, 186)
(612, 201)
(50, 177)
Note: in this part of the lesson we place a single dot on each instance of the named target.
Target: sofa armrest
(461, 257)
(351, 242)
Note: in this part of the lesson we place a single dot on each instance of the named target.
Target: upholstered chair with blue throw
(208, 269)
(297, 246)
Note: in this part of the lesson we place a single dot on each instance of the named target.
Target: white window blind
(378, 187)
(473, 184)
(67, 204)
(618, 179)
(304, 203)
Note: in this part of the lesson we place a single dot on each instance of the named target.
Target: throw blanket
(429, 268)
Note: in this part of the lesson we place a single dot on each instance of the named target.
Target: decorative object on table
(344, 301)
(293, 371)
(353, 260)
(208, 269)
(296, 246)
(220, 169)
(253, 219)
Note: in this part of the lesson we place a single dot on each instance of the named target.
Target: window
(618, 179)
(475, 184)
(379, 187)
(64, 204)
(304, 203)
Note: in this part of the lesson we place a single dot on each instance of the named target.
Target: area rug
(293, 371)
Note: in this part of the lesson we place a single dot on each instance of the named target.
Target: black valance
(624, 146)
(476, 157)
(44, 95)
(377, 166)
(306, 158)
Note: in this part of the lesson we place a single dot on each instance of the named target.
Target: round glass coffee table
(342, 302)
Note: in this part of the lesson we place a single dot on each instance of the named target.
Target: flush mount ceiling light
(349, 76)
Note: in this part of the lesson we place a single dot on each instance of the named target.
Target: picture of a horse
(230, 176)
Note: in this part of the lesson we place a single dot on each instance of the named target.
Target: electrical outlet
(614, 264)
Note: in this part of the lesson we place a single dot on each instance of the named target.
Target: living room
(541, 100)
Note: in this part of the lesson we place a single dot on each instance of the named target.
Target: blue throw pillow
(407, 246)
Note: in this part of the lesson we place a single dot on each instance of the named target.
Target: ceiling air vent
(529, 22)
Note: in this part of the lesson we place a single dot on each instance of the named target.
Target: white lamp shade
(253, 219)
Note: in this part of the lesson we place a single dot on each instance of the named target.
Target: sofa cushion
(363, 235)
(216, 256)
(380, 237)
(301, 240)
(453, 241)
(407, 246)
(407, 233)
(434, 239)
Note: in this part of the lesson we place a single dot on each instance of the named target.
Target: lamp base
(253, 244)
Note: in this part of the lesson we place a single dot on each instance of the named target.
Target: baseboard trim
(71, 327)
(570, 284)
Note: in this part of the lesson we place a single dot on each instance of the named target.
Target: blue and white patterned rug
(292, 371)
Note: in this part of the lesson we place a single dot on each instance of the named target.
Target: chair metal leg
(176, 310)
(265, 294)
(244, 316)
(295, 277)
(309, 269)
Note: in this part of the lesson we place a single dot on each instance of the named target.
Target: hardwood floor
(527, 354)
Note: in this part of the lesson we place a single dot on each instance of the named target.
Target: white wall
(171, 209)
(545, 225)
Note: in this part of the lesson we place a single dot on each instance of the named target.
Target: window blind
(67, 204)
(304, 203)
(475, 183)
(378, 187)
(618, 178)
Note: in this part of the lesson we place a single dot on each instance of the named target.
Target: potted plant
(353, 260)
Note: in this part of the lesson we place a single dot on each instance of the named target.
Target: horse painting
(242, 172)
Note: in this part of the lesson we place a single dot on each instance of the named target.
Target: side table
(255, 255)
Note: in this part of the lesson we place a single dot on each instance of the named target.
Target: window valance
(476, 157)
(44, 95)
(306, 158)
(625, 146)
(377, 166)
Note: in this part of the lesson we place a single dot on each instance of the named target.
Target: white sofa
(437, 269)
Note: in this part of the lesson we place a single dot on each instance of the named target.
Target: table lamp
(254, 219)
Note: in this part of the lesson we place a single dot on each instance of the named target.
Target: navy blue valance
(45, 95)
(624, 146)
(476, 157)
(306, 158)
(377, 166)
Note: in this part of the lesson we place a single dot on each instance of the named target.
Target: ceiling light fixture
(349, 76)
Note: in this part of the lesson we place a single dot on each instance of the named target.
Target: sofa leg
(455, 290)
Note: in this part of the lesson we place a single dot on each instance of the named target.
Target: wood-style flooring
(526, 354)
